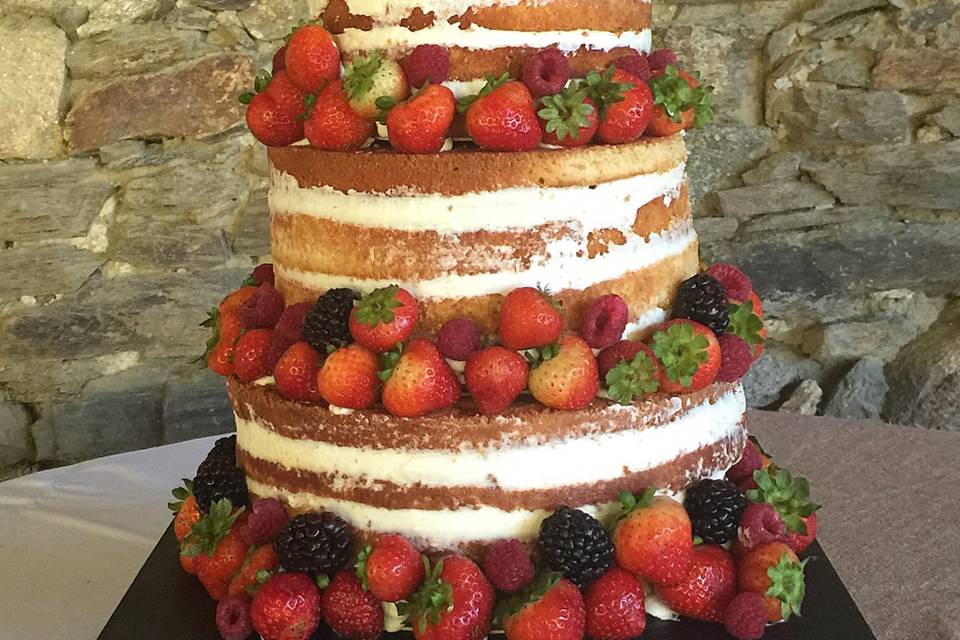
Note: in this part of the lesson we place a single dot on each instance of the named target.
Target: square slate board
(164, 603)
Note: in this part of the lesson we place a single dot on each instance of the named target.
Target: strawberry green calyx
(536, 357)
(788, 495)
(531, 595)
(180, 494)
(260, 83)
(434, 597)
(493, 82)
(634, 379)
(358, 75)
(674, 93)
(630, 502)
(787, 585)
(316, 22)
(361, 566)
(213, 323)
(207, 533)
(681, 350)
(566, 113)
(388, 362)
(604, 92)
(377, 307)
(745, 323)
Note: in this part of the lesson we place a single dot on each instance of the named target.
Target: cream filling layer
(393, 11)
(526, 466)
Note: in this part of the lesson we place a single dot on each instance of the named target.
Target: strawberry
(262, 559)
(296, 373)
(495, 377)
(250, 355)
(286, 607)
(680, 103)
(422, 123)
(391, 568)
(773, 571)
(709, 587)
(654, 538)
(569, 118)
(788, 495)
(529, 318)
(502, 116)
(237, 299)
(312, 58)
(455, 602)
(227, 329)
(348, 378)
(689, 355)
(625, 104)
(418, 381)
(662, 125)
(332, 125)
(352, 612)
(370, 80)
(800, 541)
(384, 318)
(568, 379)
(615, 606)
(189, 564)
(746, 322)
(634, 378)
(220, 551)
(274, 110)
(185, 509)
(551, 607)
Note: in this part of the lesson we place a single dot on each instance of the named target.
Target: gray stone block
(860, 393)
(109, 14)
(804, 400)
(16, 444)
(777, 369)
(272, 20)
(196, 407)
(746, 202)
(46, 270)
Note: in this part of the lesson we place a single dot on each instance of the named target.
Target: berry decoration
(736, 358)
(458, 338)
(267, 517)
(316, 543)
(286, 607)
(678, 93)
(427, 63)
(735, 282)
(576, 544)
(615, 606)
(327, 323)
(702, 299)
(788, 495)
(225, 447)
(604, 321)
(216, 479)
(508, 566)
(352, 612)
(689, 354)
(660, 59)
(568, 118)
(546, 72)
(637, 65)
(233, 617)
(746, 617)
(384, 318)
(745, 323)
(634, 379)
(761, 524)
(715, 507)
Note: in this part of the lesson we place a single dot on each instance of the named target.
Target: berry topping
(750, 460)
(332, 125)
(261, 274)
(317, 543)
(623, 351)
(508, 566)
(576, 544)
(267, 517)
(391, 569)
(370, 80)
(502, 117)
(217, 547)
(634, 378)
(625, 102)
(225, 447)
(327, 323)
(233, 617)
(680, 101)
(761, 524)
(352, 612)
(529, 318)
(569, 118)
(226, 329)
(546, 72)
(689, 354)
(459, 338)
(422, 123)
(603, 321)
(567, 377)
(615, 606)
(653, 538)
(279, 60)
(660, 59)
(708, 587)
(495, 377)
(737, 358)
(746, 617)
(427, 63)
(289, 331)
(703, 299)
(250, 355)
(774, 572)
(296, 373)
(312, 58)
(788, 495)
(637, 65)
(455, 601)
(384, 318)
(747, 324)
(418, 381)
(263, 309)
(286, 607)
(274, 110)
(735, 282)
(257, 567)
(349, 377)
(551, 607)
(235, 299)
(715, 507)
(216, 479)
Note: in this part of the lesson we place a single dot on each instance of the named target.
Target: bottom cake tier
(456, 480)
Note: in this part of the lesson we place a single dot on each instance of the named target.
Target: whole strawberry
(632, 379)
(349, 377)
(709, 587)
(219, 549)
(274, 110)
(332, 125)
(503, 117)
(569, 379)
(286, 607)
(419, 381)
(352, 612)
(236, 299)
(615, 606)
(569, 118)
(495, 377)
(184, 507)
(422, 123)
(689, 355)
(296, 373)
(369, 80)
(789, 496)
(654, 538)
(263, 558)
(455, 602)
(529, 318)
(746, 322)
(391, 568)
(250, 355)
(312, 58)
(227, 329)
(384, 318)
(773, 571)
(800, 541)
(625, 103)
(680, 103)
(551, 607)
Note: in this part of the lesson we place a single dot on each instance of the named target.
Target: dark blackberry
(715, 507)
(326, 324)
(703, 299)
(576, 544)
(217, 478)
(318, 543)
(225, 448)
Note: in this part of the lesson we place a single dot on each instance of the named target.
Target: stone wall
(132, 199)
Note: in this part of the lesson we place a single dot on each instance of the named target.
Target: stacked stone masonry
(132, 199)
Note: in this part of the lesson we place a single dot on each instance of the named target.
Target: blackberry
(576, 544)
(218, 478)
(715, 507)
(326, 324)
(703, 299)
(224, 448)
(318, 543)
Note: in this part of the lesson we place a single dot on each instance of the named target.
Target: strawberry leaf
(788, 495)
(532, 594)
(787, 585)
(388, 362)
(566, 113)
(361, 566)
(492, 82)
(674, 93)
(377, 307)
(744, 323)
(181, 494)
(358, 75)
(630, 502)
(213, 323)
(207, 533)
(681, 350)
(634, 379)
(604, 92)
(432, 598)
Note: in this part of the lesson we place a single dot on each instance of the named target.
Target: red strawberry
(773, 571)
(296, 373)
(550, 608)
(421, 124)
(634, 377)
(250, 355)
(569, 118)
(370, 80)
(654, 538)
(263, 558)
(220, 550)
(312, 58)
(708, 588)
(332, 125)
(392, 568)
(237, 299)
(746, 322)
(185, 508)
(568, 380)
(689, 355)
(681, 103)
(623, 351)
(384, 318)
(273, 112)
(662, 125)
(800, 541)
(455, 602)
(495, 377)
(420, 382)
(349, 378)
(220, 347)
(352, 612)
(615, 606)
(189, 564)
(503, 118)
(286, 607)
(529, 318)
(625, 104)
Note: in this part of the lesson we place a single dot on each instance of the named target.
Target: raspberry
(736, 358)
(750, 460)
(660, 59)
(760, 524)
(289, 331)
(603, 321)
(546, 72)
(263, 309)
(426, 63)
(459, 338)
(635, 65)
(625, 350)
(233, 617)
(263, 273)
(267, 517)
(280, 59)
(746, 616)
(507, 565)
(735, 282)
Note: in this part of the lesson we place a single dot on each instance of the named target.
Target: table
(72, 539)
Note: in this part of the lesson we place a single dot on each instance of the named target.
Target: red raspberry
(635, 65)
(750, 460)
(267, 517)
(233, 617)
(459, 338)
(263, 309)
(263, 273)
(507, 565)
(760, 524)
(289, 331)
(625, 350)
(736, 358)
(426, 63)
(603, 321)
(546, 72)
(280, 59)
(735, 282)
(746, 616)
(660, 59)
